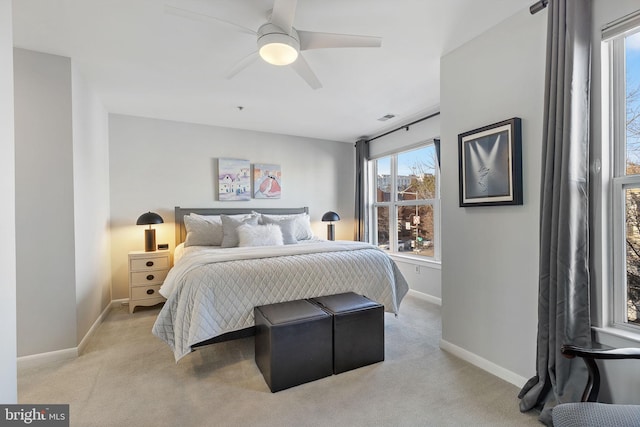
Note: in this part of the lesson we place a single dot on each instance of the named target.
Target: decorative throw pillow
(286, 226)
(230, 226)
(301, 227)
(259, 235)
(203, 230)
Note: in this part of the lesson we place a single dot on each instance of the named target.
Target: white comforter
(213, 291)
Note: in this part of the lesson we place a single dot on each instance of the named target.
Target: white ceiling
(143, 61)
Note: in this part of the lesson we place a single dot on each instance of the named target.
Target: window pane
(632, 234)
(632, 85)
(383, 186)
(417, 174)
(383, 227)
(415, 230)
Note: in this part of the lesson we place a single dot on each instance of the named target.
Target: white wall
(490, 254)
(45, 245)
(91, 207)
(156, 165)
(8, 383)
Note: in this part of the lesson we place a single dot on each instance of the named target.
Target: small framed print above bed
(234, 179)
(267, 181)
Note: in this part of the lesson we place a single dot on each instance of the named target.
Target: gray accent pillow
(203, 230)
(230, 229)
(287, 226)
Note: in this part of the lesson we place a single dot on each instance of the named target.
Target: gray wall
(490, 254)
(8, 383)
(91, 204)
(490, 296)
(62, 204)
(45, 247)
(156, 165)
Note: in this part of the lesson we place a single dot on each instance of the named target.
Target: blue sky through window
(632, 84)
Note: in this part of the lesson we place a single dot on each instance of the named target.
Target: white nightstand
(147, 271)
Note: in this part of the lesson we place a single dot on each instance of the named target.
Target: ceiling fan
(279, 43)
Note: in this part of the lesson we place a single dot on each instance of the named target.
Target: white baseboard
(34, 360)
(425, 297)
(484, 364)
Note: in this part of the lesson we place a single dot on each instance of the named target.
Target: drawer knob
(149, 263)
(150, 277)
(150, 291)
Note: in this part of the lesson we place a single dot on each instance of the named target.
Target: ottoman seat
(293, 343)
(358, 330)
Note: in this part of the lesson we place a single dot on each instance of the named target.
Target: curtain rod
(538, 6)
(406, 127)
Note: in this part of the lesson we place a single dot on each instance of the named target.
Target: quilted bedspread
(213, 291)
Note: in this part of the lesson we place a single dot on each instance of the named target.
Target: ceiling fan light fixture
(277, 47)
(278, 53)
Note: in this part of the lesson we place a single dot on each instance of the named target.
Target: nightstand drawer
(144, 292)
(152, 277)
(138, 264)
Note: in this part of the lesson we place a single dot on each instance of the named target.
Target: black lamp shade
(330, 216)
(149, 218)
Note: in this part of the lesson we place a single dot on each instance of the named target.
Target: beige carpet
(128, 377)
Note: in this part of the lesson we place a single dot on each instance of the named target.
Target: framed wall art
(234, 179)
(490, 165)
(267, 181)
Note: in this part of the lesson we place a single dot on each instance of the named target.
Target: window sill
(415, 260)
(616, 337)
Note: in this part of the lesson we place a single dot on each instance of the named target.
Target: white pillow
(229, 229)
(203, 230)
(259, 235)
(301, 226)
(286, 226)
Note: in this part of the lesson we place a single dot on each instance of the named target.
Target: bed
(229, 260)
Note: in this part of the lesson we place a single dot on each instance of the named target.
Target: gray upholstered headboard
(181, 231)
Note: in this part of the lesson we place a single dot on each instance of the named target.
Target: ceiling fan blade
(205, 18)
(242, 64)
(315, 40)
(301, 66)
(283, 13)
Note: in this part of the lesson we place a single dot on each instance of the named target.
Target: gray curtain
(563, 295)
(362, 155)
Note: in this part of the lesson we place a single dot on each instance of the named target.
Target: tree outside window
(406, 202)
(632, 194)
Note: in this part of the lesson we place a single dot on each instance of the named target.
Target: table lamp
(149, 218)
(330, 217)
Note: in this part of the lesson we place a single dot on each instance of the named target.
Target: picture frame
(490, 165)
(267, 181)
(234, 179)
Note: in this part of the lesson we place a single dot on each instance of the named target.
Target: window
(624, 97)
(406, 205)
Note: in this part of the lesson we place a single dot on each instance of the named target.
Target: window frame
(614, 132)
(394, 203)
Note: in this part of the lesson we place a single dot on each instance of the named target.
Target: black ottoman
(358, 330)
(293, 343)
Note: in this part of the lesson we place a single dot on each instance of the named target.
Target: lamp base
(331, 232)
(149, 240)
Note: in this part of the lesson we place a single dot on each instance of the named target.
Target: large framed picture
(490, 165)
